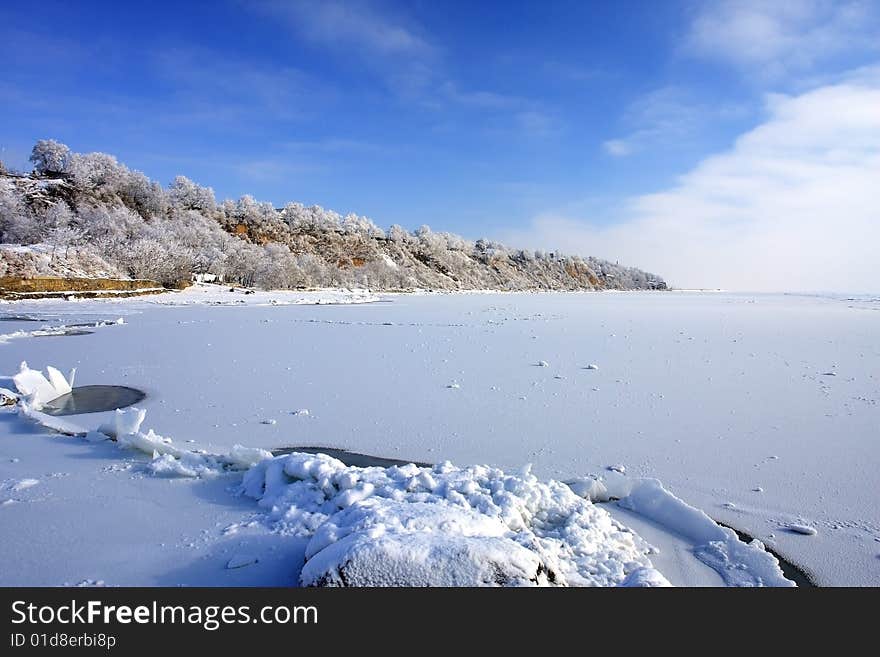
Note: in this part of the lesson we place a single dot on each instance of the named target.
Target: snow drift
(442, 526)
(408, 525)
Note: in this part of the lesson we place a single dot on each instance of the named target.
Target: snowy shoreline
(371, 526)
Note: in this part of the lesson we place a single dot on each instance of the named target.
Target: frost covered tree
(399, 235)
(353, 224)
(49, 157)
(18, 225)
(95, 172)
(312, 219)
(277, 268)
(242, 262)
(187, 195)
(141, 194)
(313, 268)
(131, 224)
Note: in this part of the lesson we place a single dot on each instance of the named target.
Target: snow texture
(411, 526)
(406, 525)
(714, 394)
(443, 526)
(738, 563)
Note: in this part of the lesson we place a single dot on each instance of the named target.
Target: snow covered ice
(441, 526)
(705, 417)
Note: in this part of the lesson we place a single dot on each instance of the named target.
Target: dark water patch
(103, 322)
(93, 399)
(26, 318)
(61, 334)
(351, 459)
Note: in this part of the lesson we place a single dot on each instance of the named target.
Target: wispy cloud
(772, 39)
(236, 88)
(334, 145)
(275, 169)
(572, 73)
(450, 92)
(664, 117)
(39, 45)
(538, 124)
(357, 27)
(777, 211)
(400, 52)
(618, 147)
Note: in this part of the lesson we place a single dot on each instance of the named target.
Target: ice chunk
(166, 465)
(590, 488)
(33, 385)
(645, 577)
(423, 559)
(61, 425)
(129, 420)
(56, 378)
(96, 437)
(246, 457)
(388, 543)
(806, 530)
(375, 525)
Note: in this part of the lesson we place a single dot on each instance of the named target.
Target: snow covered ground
(759, 411)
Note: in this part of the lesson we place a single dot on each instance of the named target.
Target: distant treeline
(91, 207)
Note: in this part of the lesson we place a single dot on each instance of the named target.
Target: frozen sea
(763, 411)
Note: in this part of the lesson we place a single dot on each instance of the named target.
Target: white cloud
(276, 169)
(537, 124)
(397, 49)
(209, 84)
(791, 206)
(356, 27)
(669, 117)
(771, 39)
(617, 147)
(479, 99)
(333, 146)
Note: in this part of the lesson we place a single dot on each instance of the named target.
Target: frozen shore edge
(360, 520)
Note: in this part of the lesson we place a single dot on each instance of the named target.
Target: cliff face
(99, 215)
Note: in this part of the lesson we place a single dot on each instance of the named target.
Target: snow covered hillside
(755, 411)
(89, 207)
(47, 260)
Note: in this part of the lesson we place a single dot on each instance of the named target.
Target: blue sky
(552, 124)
